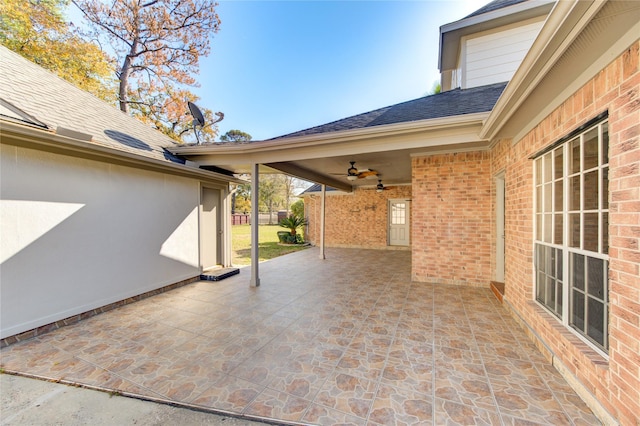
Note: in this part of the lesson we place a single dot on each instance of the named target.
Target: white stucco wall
(79, 234)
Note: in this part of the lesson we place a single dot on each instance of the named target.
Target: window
(398, 213)
(571, 231)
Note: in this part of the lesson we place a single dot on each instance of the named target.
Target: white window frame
(544, 214)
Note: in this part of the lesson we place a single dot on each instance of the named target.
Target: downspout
(255, 218)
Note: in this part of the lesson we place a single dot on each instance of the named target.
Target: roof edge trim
(565, 22)
(336, 137)
(28, 136)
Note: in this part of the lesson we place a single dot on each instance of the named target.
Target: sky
(277, 67)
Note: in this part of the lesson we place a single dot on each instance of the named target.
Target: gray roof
(316, 187)
(35, 96)
(445, 104)
(494, 5)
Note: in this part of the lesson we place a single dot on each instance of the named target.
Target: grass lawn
(267, 241)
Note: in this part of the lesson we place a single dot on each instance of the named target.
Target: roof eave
(432, 124)
(34, 137)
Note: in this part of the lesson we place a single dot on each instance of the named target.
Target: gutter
(76, 144)
(327, 138)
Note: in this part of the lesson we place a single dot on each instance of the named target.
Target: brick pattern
(357, 219)
(614, 382)
(452, 219)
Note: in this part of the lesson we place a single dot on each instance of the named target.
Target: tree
(242, 198)
(37, 30)
(297, 208)
(158, 45)
(270, 192)
(235, 136)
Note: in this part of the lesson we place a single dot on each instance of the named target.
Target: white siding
(494, 58)
(79, 234)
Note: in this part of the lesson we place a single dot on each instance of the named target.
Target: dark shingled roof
(316, 187)
(445, 104)
(494, 5)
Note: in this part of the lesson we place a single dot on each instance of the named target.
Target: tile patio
(347, 340)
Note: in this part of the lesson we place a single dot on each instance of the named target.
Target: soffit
(325, 158)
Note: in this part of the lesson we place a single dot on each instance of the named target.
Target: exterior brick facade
(614, 382)
(452, 219)
(357, 219)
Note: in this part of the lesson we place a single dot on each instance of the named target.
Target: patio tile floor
(346, 340)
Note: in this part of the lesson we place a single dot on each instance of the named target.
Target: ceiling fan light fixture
(379, 186)
(352, 171)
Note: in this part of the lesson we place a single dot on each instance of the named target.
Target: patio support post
(255, 218)
(322, 206)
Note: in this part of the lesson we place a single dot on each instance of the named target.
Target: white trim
(564, 24)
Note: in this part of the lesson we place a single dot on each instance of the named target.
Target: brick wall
(357, 219)
(614, 382)
(452, 218)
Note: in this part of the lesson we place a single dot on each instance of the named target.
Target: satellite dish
(198, 118)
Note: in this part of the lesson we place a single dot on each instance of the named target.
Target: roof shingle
(446, 104)
(55, 102)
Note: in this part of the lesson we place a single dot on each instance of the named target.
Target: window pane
(577, 310)
(577, 270)
(590, 231)
(574, 197)
(605, 233)
(539, 199)
(547, 228)
(547, 198)
(574, 230)
(558, 231)
(595, 277)
(559, 262)
(558, 196)
(539, 256)
(539, 227)
(605, 188)
(559, 297)
(605, 143)
(538, 171)
(591, 190)
(590, 148)
(595, 320)
(541, 287)
(551, 293)
(574, 165)
(558, 163)
(547, 167)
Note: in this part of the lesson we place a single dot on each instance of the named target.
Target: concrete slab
(26, 401)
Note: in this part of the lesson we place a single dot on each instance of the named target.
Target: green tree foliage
(158, 45)
(297, 208)
(37, 30)
(243, 198)
(270, 192)
(235, 136)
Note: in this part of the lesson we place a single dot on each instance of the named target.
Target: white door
(399, 220)
(500, 228)
(210, 229)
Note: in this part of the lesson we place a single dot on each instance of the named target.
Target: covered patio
(345, 340)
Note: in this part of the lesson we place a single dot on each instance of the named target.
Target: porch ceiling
(325, 158)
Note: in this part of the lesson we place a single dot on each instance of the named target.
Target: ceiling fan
(380, 187)
(354, 174)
